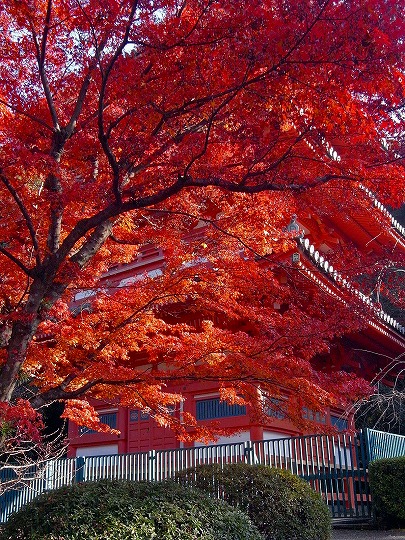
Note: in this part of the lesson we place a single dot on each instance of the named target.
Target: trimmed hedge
(387, 485)
(118, 510)
(282, 505)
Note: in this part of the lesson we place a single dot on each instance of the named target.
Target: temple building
(369, 353)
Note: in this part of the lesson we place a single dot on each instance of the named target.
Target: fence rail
(384, 445)
(335, 466)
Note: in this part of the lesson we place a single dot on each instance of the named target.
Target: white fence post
(50, 475)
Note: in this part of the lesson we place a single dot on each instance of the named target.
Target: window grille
(208, 409)
(309, 414)
(109, 418)
(339, 422)
(274, 408)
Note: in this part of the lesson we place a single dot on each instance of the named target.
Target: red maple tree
(124, 123)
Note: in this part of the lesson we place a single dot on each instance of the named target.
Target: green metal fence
(335, 466)
(383, 445)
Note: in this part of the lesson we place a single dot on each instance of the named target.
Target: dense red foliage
(123, 123)
(20, 424)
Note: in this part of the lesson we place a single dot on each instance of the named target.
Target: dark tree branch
(113, 238)
(59, 393)
(272, 166)
(93, 32)
(102, 135)
(118, 120)
(56, 210)
(44, 78)
(25, 214)
(266, 186)
(210, 123)
(45, 34)
(112, 211)
(17, 110)
(20, 265)
(215, 225)
(93, 244)
(80, 101)
(194, 103)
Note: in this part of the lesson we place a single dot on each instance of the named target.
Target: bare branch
(24, 461)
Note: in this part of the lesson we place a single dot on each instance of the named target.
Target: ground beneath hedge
(350, 534)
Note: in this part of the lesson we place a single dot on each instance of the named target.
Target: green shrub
(117, 510)
(283, 506)
(387, 485)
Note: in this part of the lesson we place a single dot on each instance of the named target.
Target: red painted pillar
(256, 433)
(122, 426)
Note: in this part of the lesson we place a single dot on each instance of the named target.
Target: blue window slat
(309, 414)
(209, 409)
(339, 423)
(134, 415)
(108, 418)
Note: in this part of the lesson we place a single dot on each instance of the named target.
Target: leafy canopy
(124, 124)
